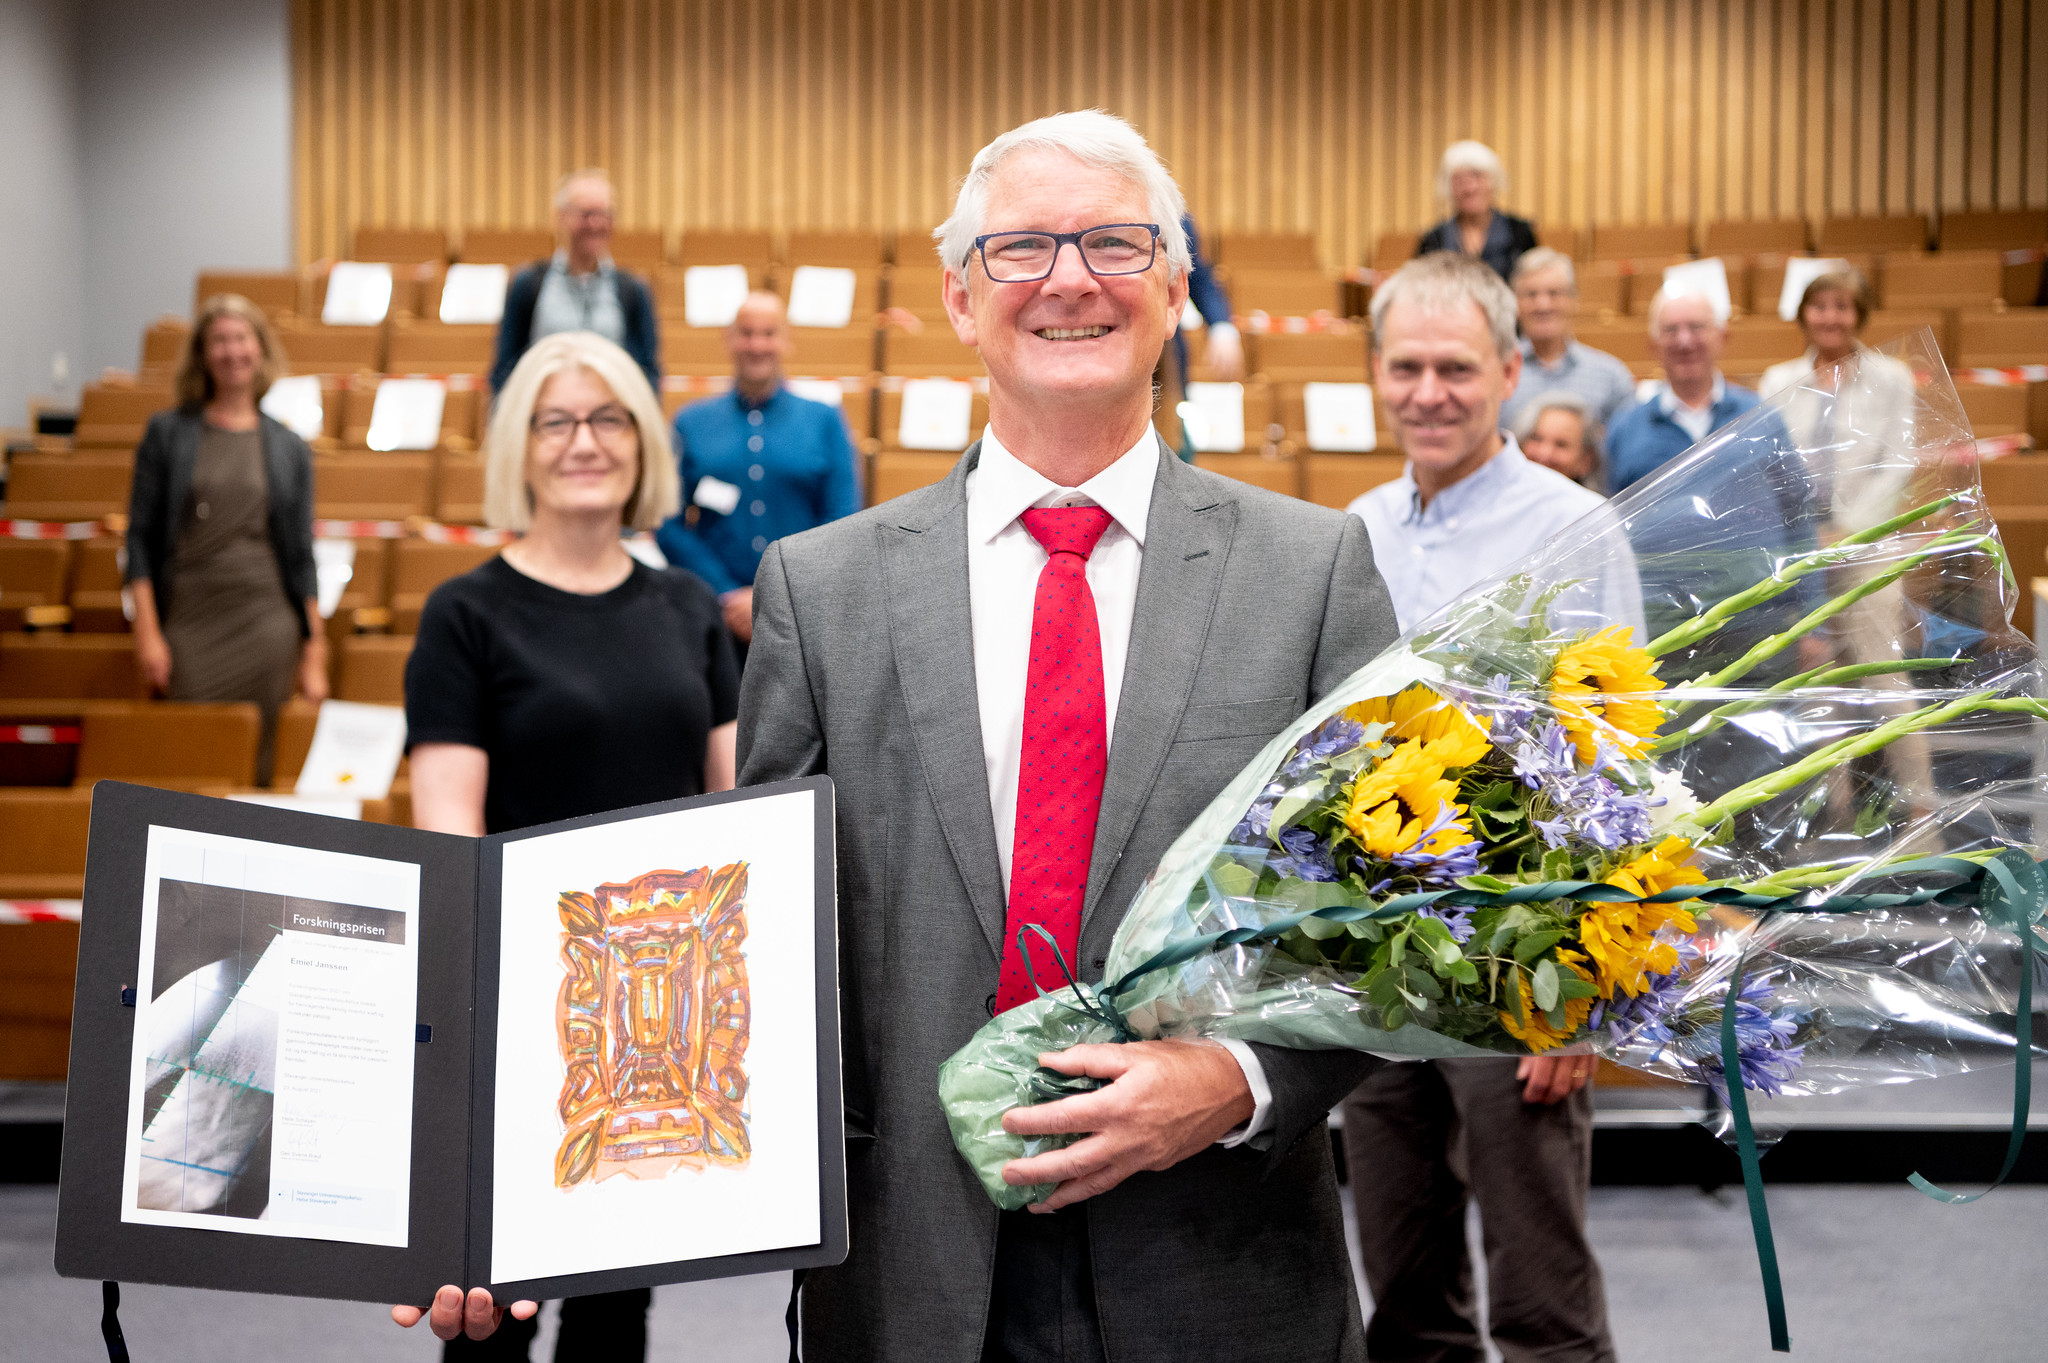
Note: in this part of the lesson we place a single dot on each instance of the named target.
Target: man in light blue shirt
(1469, 505)
(1547, 303)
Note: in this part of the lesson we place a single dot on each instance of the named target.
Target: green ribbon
(2011, 891)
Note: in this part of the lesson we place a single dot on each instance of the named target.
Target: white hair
(1469, 155)
(587, 175)
(1544, 258)
(1093, 138)
(1664, 295)
(1440, 284)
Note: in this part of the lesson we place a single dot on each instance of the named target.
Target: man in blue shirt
(1687, 332)
(757, 463)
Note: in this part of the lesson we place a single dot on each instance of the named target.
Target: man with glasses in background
(1691, 401)
(579, 289)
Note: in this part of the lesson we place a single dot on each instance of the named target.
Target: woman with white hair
(564, 677)
(1560, 430)
(1472, 180)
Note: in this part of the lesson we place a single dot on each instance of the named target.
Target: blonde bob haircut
(193, 384)
(508, 503)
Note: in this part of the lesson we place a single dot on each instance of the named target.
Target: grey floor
(1873, 1275)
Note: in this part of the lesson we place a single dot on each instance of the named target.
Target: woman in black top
(220, 532)
(1472, 180)
(565, 678)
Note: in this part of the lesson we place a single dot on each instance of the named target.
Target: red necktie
(1066, 752)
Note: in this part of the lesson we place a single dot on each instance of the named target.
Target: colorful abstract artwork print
(652, 1020)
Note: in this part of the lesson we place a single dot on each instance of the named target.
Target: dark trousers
(1419, 1138)
(1042, 1309)
(607, 1327)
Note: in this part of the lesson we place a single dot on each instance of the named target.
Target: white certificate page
(271, 1083)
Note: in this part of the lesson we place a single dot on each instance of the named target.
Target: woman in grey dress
(220, 532)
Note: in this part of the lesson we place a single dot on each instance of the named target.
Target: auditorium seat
(1888, 324)
(274, 291)
(1265, 251)
(314, 348)
(459, 489)
(163, 345)
(1283, 292)
(1603, 288)
(1285, 357)
(934, 352)
(42, 856)
(371, 668)
(845, 353)
(1627, 339)
(1748, 236)
(641, 252)
(889, 416)
(1393, 250)
(170, 743)
(2021, 480)
(1628, 241)
(1940, 279)
(32, 573)
(95, 587)
(1997, 409)
(755, 250)
(513, 246)
(113, 416)
(358, 404)
(1757, 342)
(853, 250)
(419, 566)
(369, 588)
(1645, 276)
(2024, 530)
(38, 975)
(422, 347)
(68, 487)
(1276, 472)
(918, 286)
(680, 390)
(856, 402)
(1337, 479)
(1996, 339)
(82, 666)
(688, 350)
(399, 245)
(896, 472)
(2008, 230)
(1904, 232)
(296, 720)
(1290, 413)
(1564, 240)
(370, 487)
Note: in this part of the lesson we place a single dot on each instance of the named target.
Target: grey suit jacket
(1250, 606)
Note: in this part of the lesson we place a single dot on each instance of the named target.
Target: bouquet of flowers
(1715, 782)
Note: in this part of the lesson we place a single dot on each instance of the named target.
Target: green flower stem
(1784, 639)
(1753, 793)
(1827, 674)
(1781, 581)
(1795, 878)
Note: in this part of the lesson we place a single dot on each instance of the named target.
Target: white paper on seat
(1213, 417)
(334, 567)
(712, 294)
(1706, 279)
(937, 414)
(295, 402)
(355, 751)
(821, 296)
(474, 294)
(1340, 417)
(1799, 272)
(408, 414)
(358, 294)
(826, 391)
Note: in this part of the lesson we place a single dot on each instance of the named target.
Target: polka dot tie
(1066, 752)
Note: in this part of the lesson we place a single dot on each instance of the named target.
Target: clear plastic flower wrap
(1566, 809)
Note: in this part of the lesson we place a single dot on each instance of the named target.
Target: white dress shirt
(1003, 564)
(1697, 422)
(1481, 525)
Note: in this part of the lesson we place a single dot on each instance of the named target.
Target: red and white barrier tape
(2024, 373)
(359, 530)
(51, 530)
(435, 533)
(19, 911)
(1998, 446)
(2026, 255)
(1261, 323)
(38, 733)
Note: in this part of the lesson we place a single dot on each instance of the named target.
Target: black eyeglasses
(608, 424)
(1111, 249)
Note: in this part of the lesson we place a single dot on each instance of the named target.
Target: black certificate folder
(338, 1059)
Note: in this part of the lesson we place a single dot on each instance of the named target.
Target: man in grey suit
(1025, 681)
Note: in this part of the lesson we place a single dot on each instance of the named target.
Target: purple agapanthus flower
(1509, 710)
(1458, 920)
(1646, 1017)
(1605, 814)
(1545, 758)
(1762, 1052)
(1307, 856)
(1332, 737)
(1252, 828)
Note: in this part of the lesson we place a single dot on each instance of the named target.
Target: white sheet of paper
(937, 414)
(333, 806)
(358, 294)
(712, 294)
(1340, 417)
(474, 294)
(826, 391)
(1706, 279)
(278, 986)
(407, 415)
(334, 567)
(295, 401)
(1213, 416)
(1799, 272)
(355, 750)
(821, 296)
(1190, 316)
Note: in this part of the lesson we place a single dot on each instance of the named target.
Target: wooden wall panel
(1322, 116)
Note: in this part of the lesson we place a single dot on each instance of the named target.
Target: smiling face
(1687, 340)
(1558, 441)
(1471, 192)
(233, 354)
(1443, 382)
(758, 341)
(1829, 321)
(1072, 337)
(1547, 304)
(584, 221)
(582, 448)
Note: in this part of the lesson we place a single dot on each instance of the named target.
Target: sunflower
(1394, 803)
(1535, 1031)
(1607, 665)
(1622, 938)
(1453, 738)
